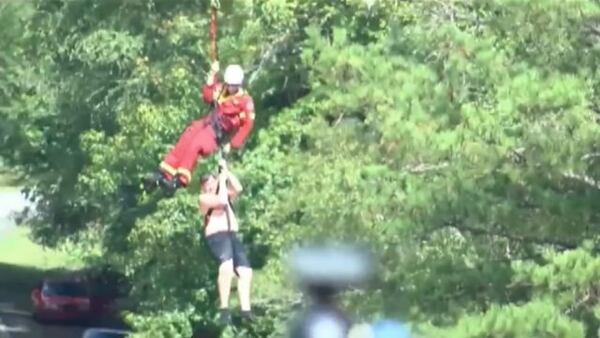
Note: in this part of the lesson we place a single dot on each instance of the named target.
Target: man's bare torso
(217, 221)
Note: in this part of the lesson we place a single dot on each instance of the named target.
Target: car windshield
(69, 289)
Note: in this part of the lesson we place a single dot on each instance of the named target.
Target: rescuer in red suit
(232, 113)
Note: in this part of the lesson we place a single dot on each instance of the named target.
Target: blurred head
(234, 76)
(208, 184)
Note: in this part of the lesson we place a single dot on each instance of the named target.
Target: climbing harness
(215, 123)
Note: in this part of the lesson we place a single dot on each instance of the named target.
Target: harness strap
(215, 120)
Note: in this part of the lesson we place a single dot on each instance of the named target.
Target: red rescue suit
(235, 115)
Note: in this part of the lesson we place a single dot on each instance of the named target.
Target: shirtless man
(220, 233)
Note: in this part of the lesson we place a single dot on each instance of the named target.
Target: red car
(67, 300)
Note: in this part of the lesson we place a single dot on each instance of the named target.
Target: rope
(227, 208)
(214, 55)
(213, 30)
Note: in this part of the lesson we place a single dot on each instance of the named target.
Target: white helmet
(234, 75)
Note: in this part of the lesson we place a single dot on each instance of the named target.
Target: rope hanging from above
(214, 6)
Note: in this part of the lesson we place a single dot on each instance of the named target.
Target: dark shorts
(225, 246)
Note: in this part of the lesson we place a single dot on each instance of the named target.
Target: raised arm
(212, 84)
(246, 123)
(240, 137)
(234, 186)
(220, 200)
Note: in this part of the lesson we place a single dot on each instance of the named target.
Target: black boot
(224, 317)
(170, 186)
(248, 316)
(153, 180)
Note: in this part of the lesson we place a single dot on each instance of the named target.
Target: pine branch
(583, 179)
(267, 54)
(593, 29)
(424, 167)
(579, 303)
(518, 157)
(513, 237)
(589, 156)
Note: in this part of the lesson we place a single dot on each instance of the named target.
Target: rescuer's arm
(246, 124)
(212, 83)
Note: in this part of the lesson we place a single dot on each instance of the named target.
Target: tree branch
(593, 29)
(267, 53)
(424, 167)
(579, 303)
(518, 156)
(583, 179)
(339, 119)
(589, 156)
(517, 238)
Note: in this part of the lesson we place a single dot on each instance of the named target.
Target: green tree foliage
(458, 139)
